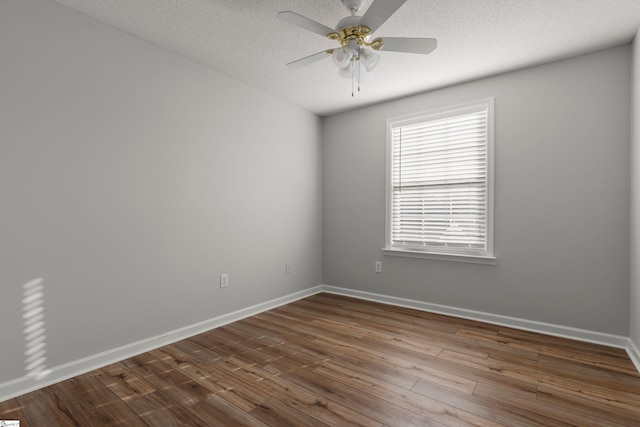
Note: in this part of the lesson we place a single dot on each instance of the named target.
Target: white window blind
(439, 197)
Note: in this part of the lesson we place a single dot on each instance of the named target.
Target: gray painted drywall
(561, 198)
(634, 315)
(131, 178)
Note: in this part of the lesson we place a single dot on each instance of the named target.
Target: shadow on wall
(34, 329)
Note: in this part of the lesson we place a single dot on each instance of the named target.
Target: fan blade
(379, 12)
(310, 59)
(409, 45)
(306, 23)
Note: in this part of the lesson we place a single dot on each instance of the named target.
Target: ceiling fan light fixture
(342, 56)
(369, 59)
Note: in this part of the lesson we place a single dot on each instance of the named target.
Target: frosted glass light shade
(369, 59)
(342, 56)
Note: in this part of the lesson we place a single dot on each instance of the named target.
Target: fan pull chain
(358, 76)
(355, 76)
(352, 76)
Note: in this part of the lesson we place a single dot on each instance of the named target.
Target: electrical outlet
(224, 280)
(288, 268)
(378, 267)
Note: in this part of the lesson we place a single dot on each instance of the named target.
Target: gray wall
(561, 198)
(131, 178)
(634, 320)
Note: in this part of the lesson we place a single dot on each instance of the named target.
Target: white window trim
(472, 259)
(489, 256)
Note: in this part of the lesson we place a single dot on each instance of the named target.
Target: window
(440, 184)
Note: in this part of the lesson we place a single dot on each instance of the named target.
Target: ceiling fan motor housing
(349, 32)
(349, 21)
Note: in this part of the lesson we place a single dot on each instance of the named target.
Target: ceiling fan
(353, 34)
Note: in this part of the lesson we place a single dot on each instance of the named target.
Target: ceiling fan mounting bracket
(353, 5)
(359, 34)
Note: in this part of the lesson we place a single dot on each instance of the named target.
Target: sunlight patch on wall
(34, 329)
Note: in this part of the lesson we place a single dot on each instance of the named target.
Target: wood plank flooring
(337, 361)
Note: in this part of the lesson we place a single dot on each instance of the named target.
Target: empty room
(319, 213)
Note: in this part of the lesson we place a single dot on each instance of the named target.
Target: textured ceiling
(244, 39)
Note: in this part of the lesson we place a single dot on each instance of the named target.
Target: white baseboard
(26, 384)
(496, 319)
(19, 386)
(634, 354)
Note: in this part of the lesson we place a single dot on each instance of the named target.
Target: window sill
(473, 259)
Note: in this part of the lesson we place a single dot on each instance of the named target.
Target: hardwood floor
(332, 360)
